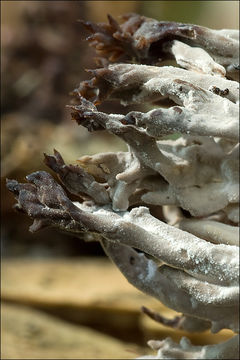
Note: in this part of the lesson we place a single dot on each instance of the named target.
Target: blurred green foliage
(213, 14)
(180, 11)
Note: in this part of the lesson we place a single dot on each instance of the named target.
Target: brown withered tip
(96, 89)
(110, 40)
(89, 26)
(85, 118)
(114, 24)
(54, 162)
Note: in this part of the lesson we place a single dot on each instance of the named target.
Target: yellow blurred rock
(31, 334)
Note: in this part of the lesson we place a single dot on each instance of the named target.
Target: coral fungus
(185, 252)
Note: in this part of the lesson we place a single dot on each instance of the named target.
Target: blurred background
(43, 58)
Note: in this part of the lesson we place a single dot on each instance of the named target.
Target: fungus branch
(202, 282)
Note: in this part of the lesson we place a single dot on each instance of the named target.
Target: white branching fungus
(190, 184)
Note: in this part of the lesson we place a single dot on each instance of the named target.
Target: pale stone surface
(31, 334)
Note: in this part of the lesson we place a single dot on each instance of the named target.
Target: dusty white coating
(196, 59)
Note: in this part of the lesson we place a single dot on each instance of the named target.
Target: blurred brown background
(43, 59)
